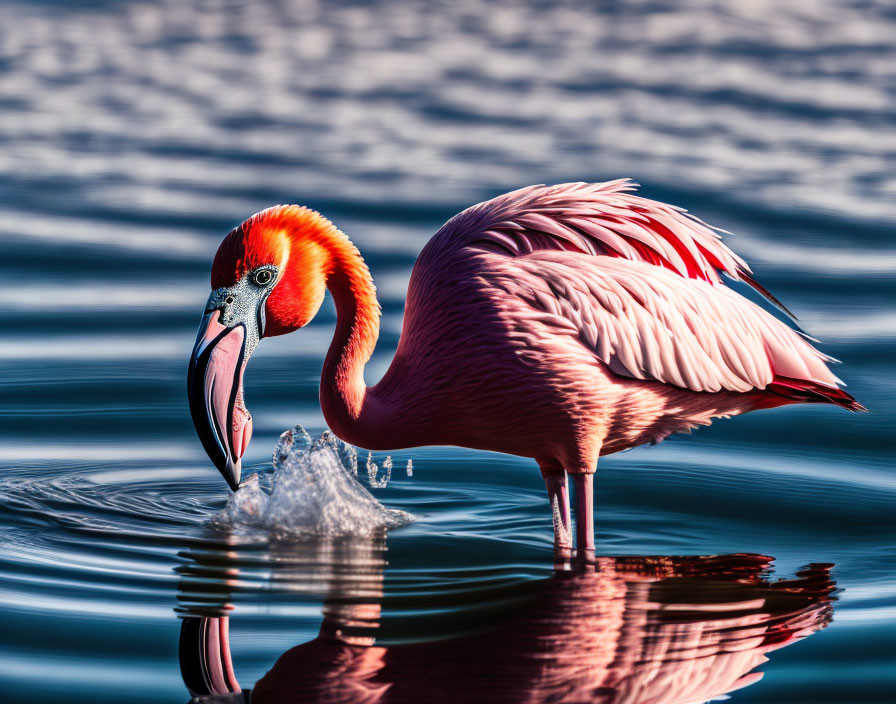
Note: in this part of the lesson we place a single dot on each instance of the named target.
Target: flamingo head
(268, 278)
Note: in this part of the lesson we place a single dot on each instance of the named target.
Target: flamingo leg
(558, 494)
(584, 488)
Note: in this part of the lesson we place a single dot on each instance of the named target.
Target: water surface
(136, 134)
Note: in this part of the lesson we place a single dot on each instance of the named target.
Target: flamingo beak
(215, 390)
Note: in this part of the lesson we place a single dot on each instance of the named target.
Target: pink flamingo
(554, 322)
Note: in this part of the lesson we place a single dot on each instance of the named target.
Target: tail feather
(805, 391)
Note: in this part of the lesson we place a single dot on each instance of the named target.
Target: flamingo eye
(262, 277)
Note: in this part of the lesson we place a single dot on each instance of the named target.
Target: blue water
(135, 135)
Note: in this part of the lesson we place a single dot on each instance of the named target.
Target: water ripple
(135, 135)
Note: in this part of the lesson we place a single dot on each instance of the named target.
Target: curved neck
(347, 406)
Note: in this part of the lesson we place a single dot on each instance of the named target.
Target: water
(136, 134)
(314, 491)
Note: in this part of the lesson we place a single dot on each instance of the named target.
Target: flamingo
(559, 323)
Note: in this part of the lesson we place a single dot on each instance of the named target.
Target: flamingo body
(559, 323)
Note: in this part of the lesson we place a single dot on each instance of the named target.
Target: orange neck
(343, 394)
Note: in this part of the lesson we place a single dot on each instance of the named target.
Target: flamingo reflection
(627, 630)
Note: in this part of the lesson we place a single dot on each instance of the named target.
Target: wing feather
(600, 219)
(649, 323)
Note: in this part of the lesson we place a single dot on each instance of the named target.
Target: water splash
(372, 471)
(315, 491)
(248, 505)
(347, 454)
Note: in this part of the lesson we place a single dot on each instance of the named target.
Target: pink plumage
(559, 323)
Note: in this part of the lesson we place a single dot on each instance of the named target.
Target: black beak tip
(231, 473)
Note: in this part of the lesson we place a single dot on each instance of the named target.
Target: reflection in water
(348, 572)
(628, 629)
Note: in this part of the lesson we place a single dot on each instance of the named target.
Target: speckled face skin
(244, 303)
(231, 327)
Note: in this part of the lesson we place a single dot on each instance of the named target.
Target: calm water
(135, 135)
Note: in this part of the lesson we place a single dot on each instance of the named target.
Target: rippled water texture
(136, 134)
